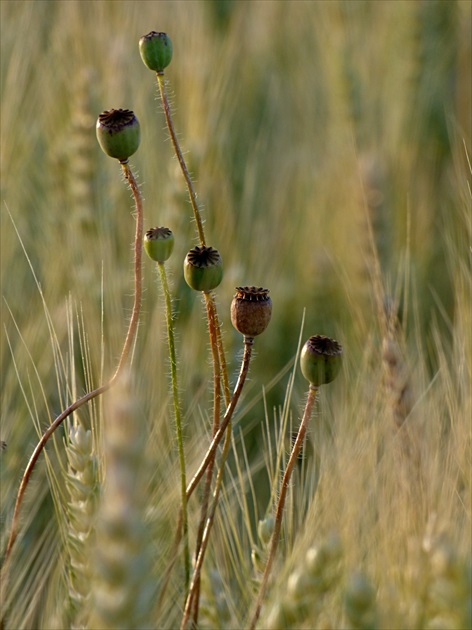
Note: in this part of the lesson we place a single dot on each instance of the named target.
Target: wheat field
(330, 145)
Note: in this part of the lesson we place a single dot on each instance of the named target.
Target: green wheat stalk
(177, 414)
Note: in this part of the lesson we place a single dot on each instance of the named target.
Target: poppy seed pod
(320, 360)
(118, 133)
(203, 268)
(155, 50)
(159, 243)
(251, 310)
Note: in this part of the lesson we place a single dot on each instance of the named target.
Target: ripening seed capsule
(159, 243)
(156, 50)
(118, 133)
(251, 310)
(320, 360)
(203, 268)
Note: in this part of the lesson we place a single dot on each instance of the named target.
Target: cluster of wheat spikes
(346, 528)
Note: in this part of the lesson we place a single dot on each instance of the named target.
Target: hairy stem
(281, 503)
(203, 466)
(213, 324)
(180, 157)
(212, 327)
(221, 352)
(178, 420)
(248, 343)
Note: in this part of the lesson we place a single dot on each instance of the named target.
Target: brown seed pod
(251, 310)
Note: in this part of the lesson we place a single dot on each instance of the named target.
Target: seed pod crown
(118, 133)
(203, 268)
(159, 243)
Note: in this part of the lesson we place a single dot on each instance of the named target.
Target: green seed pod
(320, 360)
(159, 243)
(156, 51)
(251, 310)
(203, 268)
(118, 133)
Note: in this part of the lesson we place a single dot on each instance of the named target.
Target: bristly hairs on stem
(209, 455)
(274, 542)
(156, 51)
(251, 311)
(216, 425)
(180, 157)
(248, 343)
(159, 244)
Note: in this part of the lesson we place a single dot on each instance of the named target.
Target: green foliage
(329, 143)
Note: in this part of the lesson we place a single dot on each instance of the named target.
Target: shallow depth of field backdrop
(302, 123)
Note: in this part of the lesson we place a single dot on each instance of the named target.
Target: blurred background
(323, 138)
(302, 123)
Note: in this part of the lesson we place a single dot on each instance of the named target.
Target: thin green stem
(178, 420)
(127, 347)
(199, 223)
(197, 216)
(274, 541)
(219, 360)
(180, 157)
(248, 343)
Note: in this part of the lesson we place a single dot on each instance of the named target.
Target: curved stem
(138, 280)
(248, 343)
(180, 157)
(178, 421)
(274, 541)
(130, 337)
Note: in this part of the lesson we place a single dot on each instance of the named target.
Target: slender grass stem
(281, 503)
(180, 157)
(178, 420)
(248, 343)
(203, 466)
(221, 352)
(212, 328)
(127, 347)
